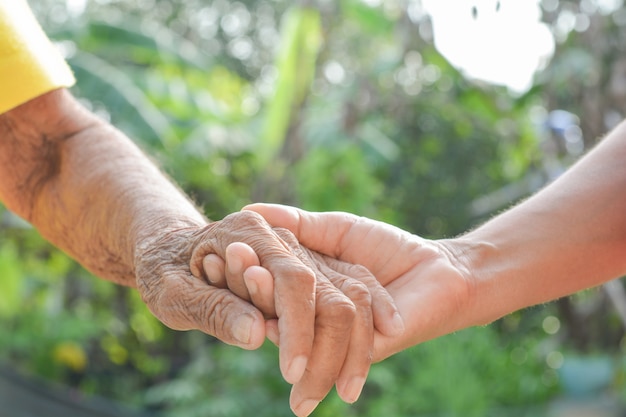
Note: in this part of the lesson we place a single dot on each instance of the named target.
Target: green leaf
(371, 19)
(10, 283)
(97, 78)
(152, 42)
(300, 43)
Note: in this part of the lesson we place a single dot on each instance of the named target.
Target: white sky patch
(76, 7)
(504, 46)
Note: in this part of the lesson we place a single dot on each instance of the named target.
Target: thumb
(186, 303)
(321, 232)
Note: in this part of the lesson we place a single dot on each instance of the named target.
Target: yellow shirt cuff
(29, 64)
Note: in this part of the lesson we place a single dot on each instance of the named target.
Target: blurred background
(430, 115)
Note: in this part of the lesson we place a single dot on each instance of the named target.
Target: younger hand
(426, 279)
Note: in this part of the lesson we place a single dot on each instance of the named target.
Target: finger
(248, 280)
(294, 281)
(386, 315)
(214, 269)
(271, 331)
(239, 257)
(360, 349)
(385, 250)
(335, 317)
(183, 302)
(258, 281)
(294, 301)
(321, 232)
(260, 285)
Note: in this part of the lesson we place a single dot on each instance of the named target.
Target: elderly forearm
(85, 186)
(568, 237)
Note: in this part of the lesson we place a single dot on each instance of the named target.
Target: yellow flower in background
(71, 355)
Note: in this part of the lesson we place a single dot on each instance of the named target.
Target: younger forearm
(568, 237)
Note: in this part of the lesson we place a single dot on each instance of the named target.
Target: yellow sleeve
(29, 64)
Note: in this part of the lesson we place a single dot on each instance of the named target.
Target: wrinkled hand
(424, 277)
(349, 303)
(171, 281)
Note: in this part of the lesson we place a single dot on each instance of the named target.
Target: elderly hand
(171, 280)
(351, 306)
(425, 279)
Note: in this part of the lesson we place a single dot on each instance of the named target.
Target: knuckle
(287, 236)
(245, 218)
(303, 275)
(358, 292)
(338, 310)
(296, 273)
(360, 272)
(345, 311)
(198, 254)
(245, 226)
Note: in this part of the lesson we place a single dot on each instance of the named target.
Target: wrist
(178, 234)
(167, 250)
(473, 258)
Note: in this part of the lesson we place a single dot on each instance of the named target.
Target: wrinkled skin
(349, 302)
(170, 278)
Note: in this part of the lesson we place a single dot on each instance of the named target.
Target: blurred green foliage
(326, 105)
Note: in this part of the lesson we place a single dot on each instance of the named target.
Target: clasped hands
(335, 291)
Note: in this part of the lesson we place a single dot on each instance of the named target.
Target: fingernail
(305, 408)
(397, 324)
(211, 264)
(251, 284)
(242, 328)
(296, 369)
(353, 388)
(234, 264)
